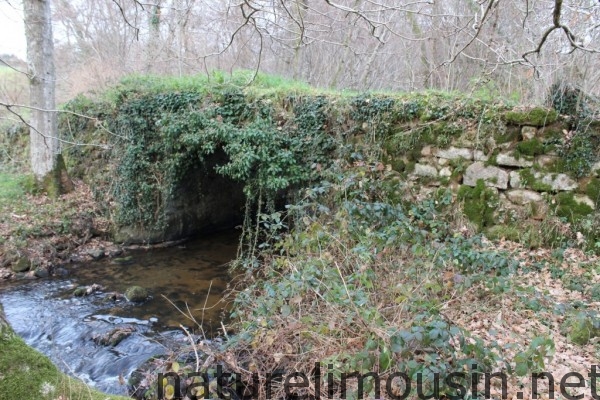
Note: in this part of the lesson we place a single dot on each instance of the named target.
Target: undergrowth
(359, 285)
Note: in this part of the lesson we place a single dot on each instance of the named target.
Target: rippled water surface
(192, 277)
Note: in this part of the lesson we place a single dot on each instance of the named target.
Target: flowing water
(191, 277)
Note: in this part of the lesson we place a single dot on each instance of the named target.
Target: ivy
(169, 133)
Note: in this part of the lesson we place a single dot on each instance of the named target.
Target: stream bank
(101, 338)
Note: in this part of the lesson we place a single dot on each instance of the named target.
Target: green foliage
(534, 358)
(534, 117)
(592, 189)
(532, 148)
(579, 154)
(582, 327)
(571, 101)
(480, 203)
(360, 260)
(12, 187)
(570, 209)
(529, 180)
(170, 132)
(275, 134)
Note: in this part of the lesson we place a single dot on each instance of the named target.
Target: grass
(26, 374)
(11, 187)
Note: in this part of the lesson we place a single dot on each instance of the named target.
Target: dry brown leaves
(503, 319)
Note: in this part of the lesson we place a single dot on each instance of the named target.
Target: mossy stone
(534, 117)
(533, 147)
(571, 209)
(23, 264)
(508, 232)
(41, 272)
(479, 203)
(136, 294)
(123, 260)
(80, 291)
(582, 329)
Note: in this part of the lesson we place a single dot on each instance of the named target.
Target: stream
(191, 277)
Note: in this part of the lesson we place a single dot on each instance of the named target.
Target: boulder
(445, 172)
(552, 182)
(96, 254)
(136, 294)
(515, 180)
(492, 176)
(41, 272)
(23, 264)
(114, 337)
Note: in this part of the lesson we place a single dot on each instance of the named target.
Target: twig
(193, 346)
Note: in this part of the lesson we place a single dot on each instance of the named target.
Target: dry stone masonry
(523, 177)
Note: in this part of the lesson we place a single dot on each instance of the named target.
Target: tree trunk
(46, 161)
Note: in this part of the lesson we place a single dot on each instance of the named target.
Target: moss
(398, 164)
(570, 209)
(479, 204)
(492, 158)
(579, 154)
(535, 117)
(559, 166)
(529, 180)
(530, 234)
(592, 189)
(27, 375)
(532, 148)
(553, 133)
(136, 294)
(57, 182)
(508, 232)
(22, 265)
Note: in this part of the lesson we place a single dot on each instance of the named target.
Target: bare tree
(498, 45)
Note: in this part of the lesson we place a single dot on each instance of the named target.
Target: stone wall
(521, 175)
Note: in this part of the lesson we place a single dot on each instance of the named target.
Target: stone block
(528, 132)
(492, 176)
(523, 196)
(508, 160)
(425, 170)
(454, 153)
